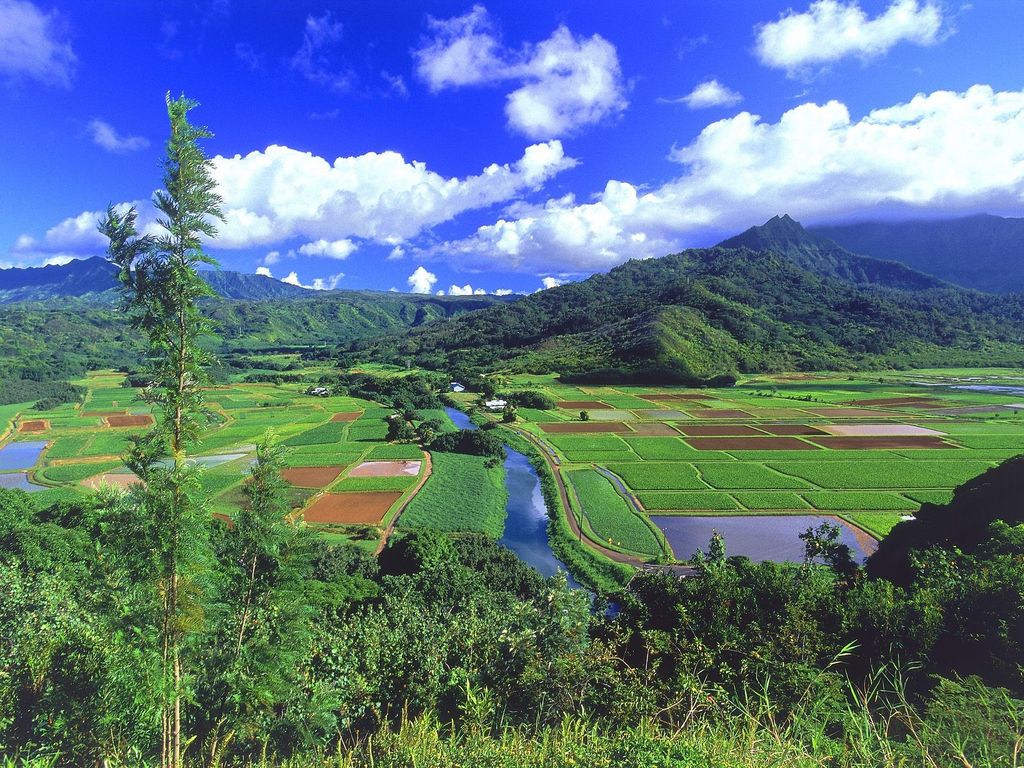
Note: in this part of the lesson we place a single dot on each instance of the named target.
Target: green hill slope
(705, 314)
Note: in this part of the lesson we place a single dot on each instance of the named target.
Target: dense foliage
(703, 315)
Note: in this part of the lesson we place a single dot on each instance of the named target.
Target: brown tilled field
(879, 443)
(574, 427)
(36, 425)
(576, 405)
(311, 477)
(387, 469)
(719, 413)
(790, 429)
(351, 508)
(655, 430)
(749, 444)
(718, 430)
(142, 420)
(346, 416)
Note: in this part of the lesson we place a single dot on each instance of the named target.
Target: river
(526, 515)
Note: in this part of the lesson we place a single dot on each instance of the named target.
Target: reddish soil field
(345, 416)
(110, 478)
(718, 430)
(311, 477)
(36, 425)
(718, 413)
(878, 443)
(750, 444)
(387, 469)
(143, 420)
(572, 427)
(575, 405)
(660, 430)
(790, 429)
(351, 508)
(919, 401)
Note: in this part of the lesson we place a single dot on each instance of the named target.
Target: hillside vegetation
(705, 315)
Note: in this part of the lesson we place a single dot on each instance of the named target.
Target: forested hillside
(707, 314)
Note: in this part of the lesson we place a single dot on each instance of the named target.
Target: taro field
(341, 475)
(867, 450)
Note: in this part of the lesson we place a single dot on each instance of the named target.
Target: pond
(526, 514)
(20, 455)
(759, 537)
(19, 480)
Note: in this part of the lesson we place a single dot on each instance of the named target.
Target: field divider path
(390, 528)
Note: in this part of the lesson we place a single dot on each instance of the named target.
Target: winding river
(526, 514)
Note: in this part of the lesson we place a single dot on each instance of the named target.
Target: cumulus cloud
(280, 193)
(503, 292)
(265, 272)
(318, 284)
(942, 151)
(336, 249)
(564, 82)
(421, 281)
(831, 30)
(465, 290)
(710, 93)
(318, 59)
(551, 282)
(34, 45)
(104, 135)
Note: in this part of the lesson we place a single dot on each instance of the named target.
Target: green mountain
(705, 315)
(825, 257)
(983, 252)
(95, 280)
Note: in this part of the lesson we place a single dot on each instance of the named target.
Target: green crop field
(745, 475)
(461, 495)
(659, 501)
(666, 476)
(610, 516)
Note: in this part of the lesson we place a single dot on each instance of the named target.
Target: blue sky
(505, 146)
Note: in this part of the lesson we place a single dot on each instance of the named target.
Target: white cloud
(421, 281)
(318, 284)
(34, 45)
(831, 30)
(710, 93)
(281, 193)
(940, 152)
(317, 58)
(58, 260)
(336, 249)
(397, 253)
(504, 292)
(551, 282)
(272, 257)
(104, 135)
(265, 272)
(564, 82)
(465, 290)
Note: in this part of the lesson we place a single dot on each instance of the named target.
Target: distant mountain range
(95, 280)
(983, 252)
(774, 298)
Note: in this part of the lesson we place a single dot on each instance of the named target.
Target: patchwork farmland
(866, 451)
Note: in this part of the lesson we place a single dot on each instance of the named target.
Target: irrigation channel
(526, 514)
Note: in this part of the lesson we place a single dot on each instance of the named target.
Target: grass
(744, 475)
(374, 483)
(591, 443)
(858, 500)
(878, 524)
(332, 432)
(611, 517)
(395, 451)
(460, 495)
(930, 497)
(108, 444)
(659, 477)
(75, 473)
(688, 501)
(768, 500)
(598, 457)
(896, 475)
(68, 447)
(661, 448)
